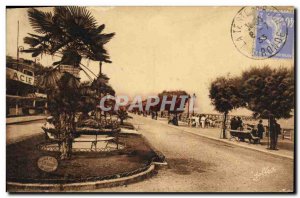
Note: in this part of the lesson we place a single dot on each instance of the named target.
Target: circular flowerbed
(22, 160)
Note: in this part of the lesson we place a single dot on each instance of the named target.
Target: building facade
(22, 95)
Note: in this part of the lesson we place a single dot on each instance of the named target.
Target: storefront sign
(47, 163)
(19, 76)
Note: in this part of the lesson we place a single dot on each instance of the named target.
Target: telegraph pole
(18, 47)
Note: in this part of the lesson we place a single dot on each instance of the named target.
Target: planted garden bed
(22, 160)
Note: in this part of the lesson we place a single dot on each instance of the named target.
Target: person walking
(239, 126)
(239, 123)
(233, 123)
(278, 131)
(152, 114)
(260, 129)
(275, 130)
(202, 120)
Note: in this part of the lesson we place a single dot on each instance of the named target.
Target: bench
(236, 134)
(94, 140)
(287, 134)
(53, 136)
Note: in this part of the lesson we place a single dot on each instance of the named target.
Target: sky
(160, 48)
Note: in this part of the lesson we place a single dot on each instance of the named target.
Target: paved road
(198, 164)
(21, 131)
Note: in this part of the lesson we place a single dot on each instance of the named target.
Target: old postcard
(150, 99)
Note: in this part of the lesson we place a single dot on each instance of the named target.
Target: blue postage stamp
(274, 34)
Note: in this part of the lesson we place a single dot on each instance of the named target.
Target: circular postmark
(259, 32)
(47, 163)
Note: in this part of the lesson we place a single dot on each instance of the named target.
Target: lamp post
(194, 98)
(188, 111)
(19, 49)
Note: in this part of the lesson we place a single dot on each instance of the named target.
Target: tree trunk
(100, 73)
(64, 146)
(64, 150)
(67, 125)
(224, 125)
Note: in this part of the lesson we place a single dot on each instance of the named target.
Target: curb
(24, 121)
(228, 142)
(160, 156)
(72, 187)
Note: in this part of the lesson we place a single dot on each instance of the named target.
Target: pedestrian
(260, 129)
(152, 114)
(239, 126)
(207, 123)
(202, 120)
(275, 130)
(253, 130)
(278, 132)
(239, 123)
(196, 121)
(233, 123)
(194, 124)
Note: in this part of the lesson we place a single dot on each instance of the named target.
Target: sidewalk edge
(30, 187)
(24, 121)
(228, 142)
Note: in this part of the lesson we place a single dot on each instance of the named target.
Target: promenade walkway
(285, 147)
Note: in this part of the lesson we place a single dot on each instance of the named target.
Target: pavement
(23, 130)
(200, 164)
(285, 147)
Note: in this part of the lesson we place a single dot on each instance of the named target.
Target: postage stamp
(262, 32)
(287, 51)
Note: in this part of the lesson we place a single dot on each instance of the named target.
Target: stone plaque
(47, 163)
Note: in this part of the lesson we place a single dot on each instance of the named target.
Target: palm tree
(67, 28)
(100, 84)
(71, 33)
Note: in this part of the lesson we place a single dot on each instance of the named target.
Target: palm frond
(50, 79)
(40, 21)
(67, 27)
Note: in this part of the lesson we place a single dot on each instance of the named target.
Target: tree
(225, 95)
(122, 115)
(71, 33)
(100, 84)
(66, 29)
(89, 99)
(63, 102)
(180, 94)
(269, 93)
